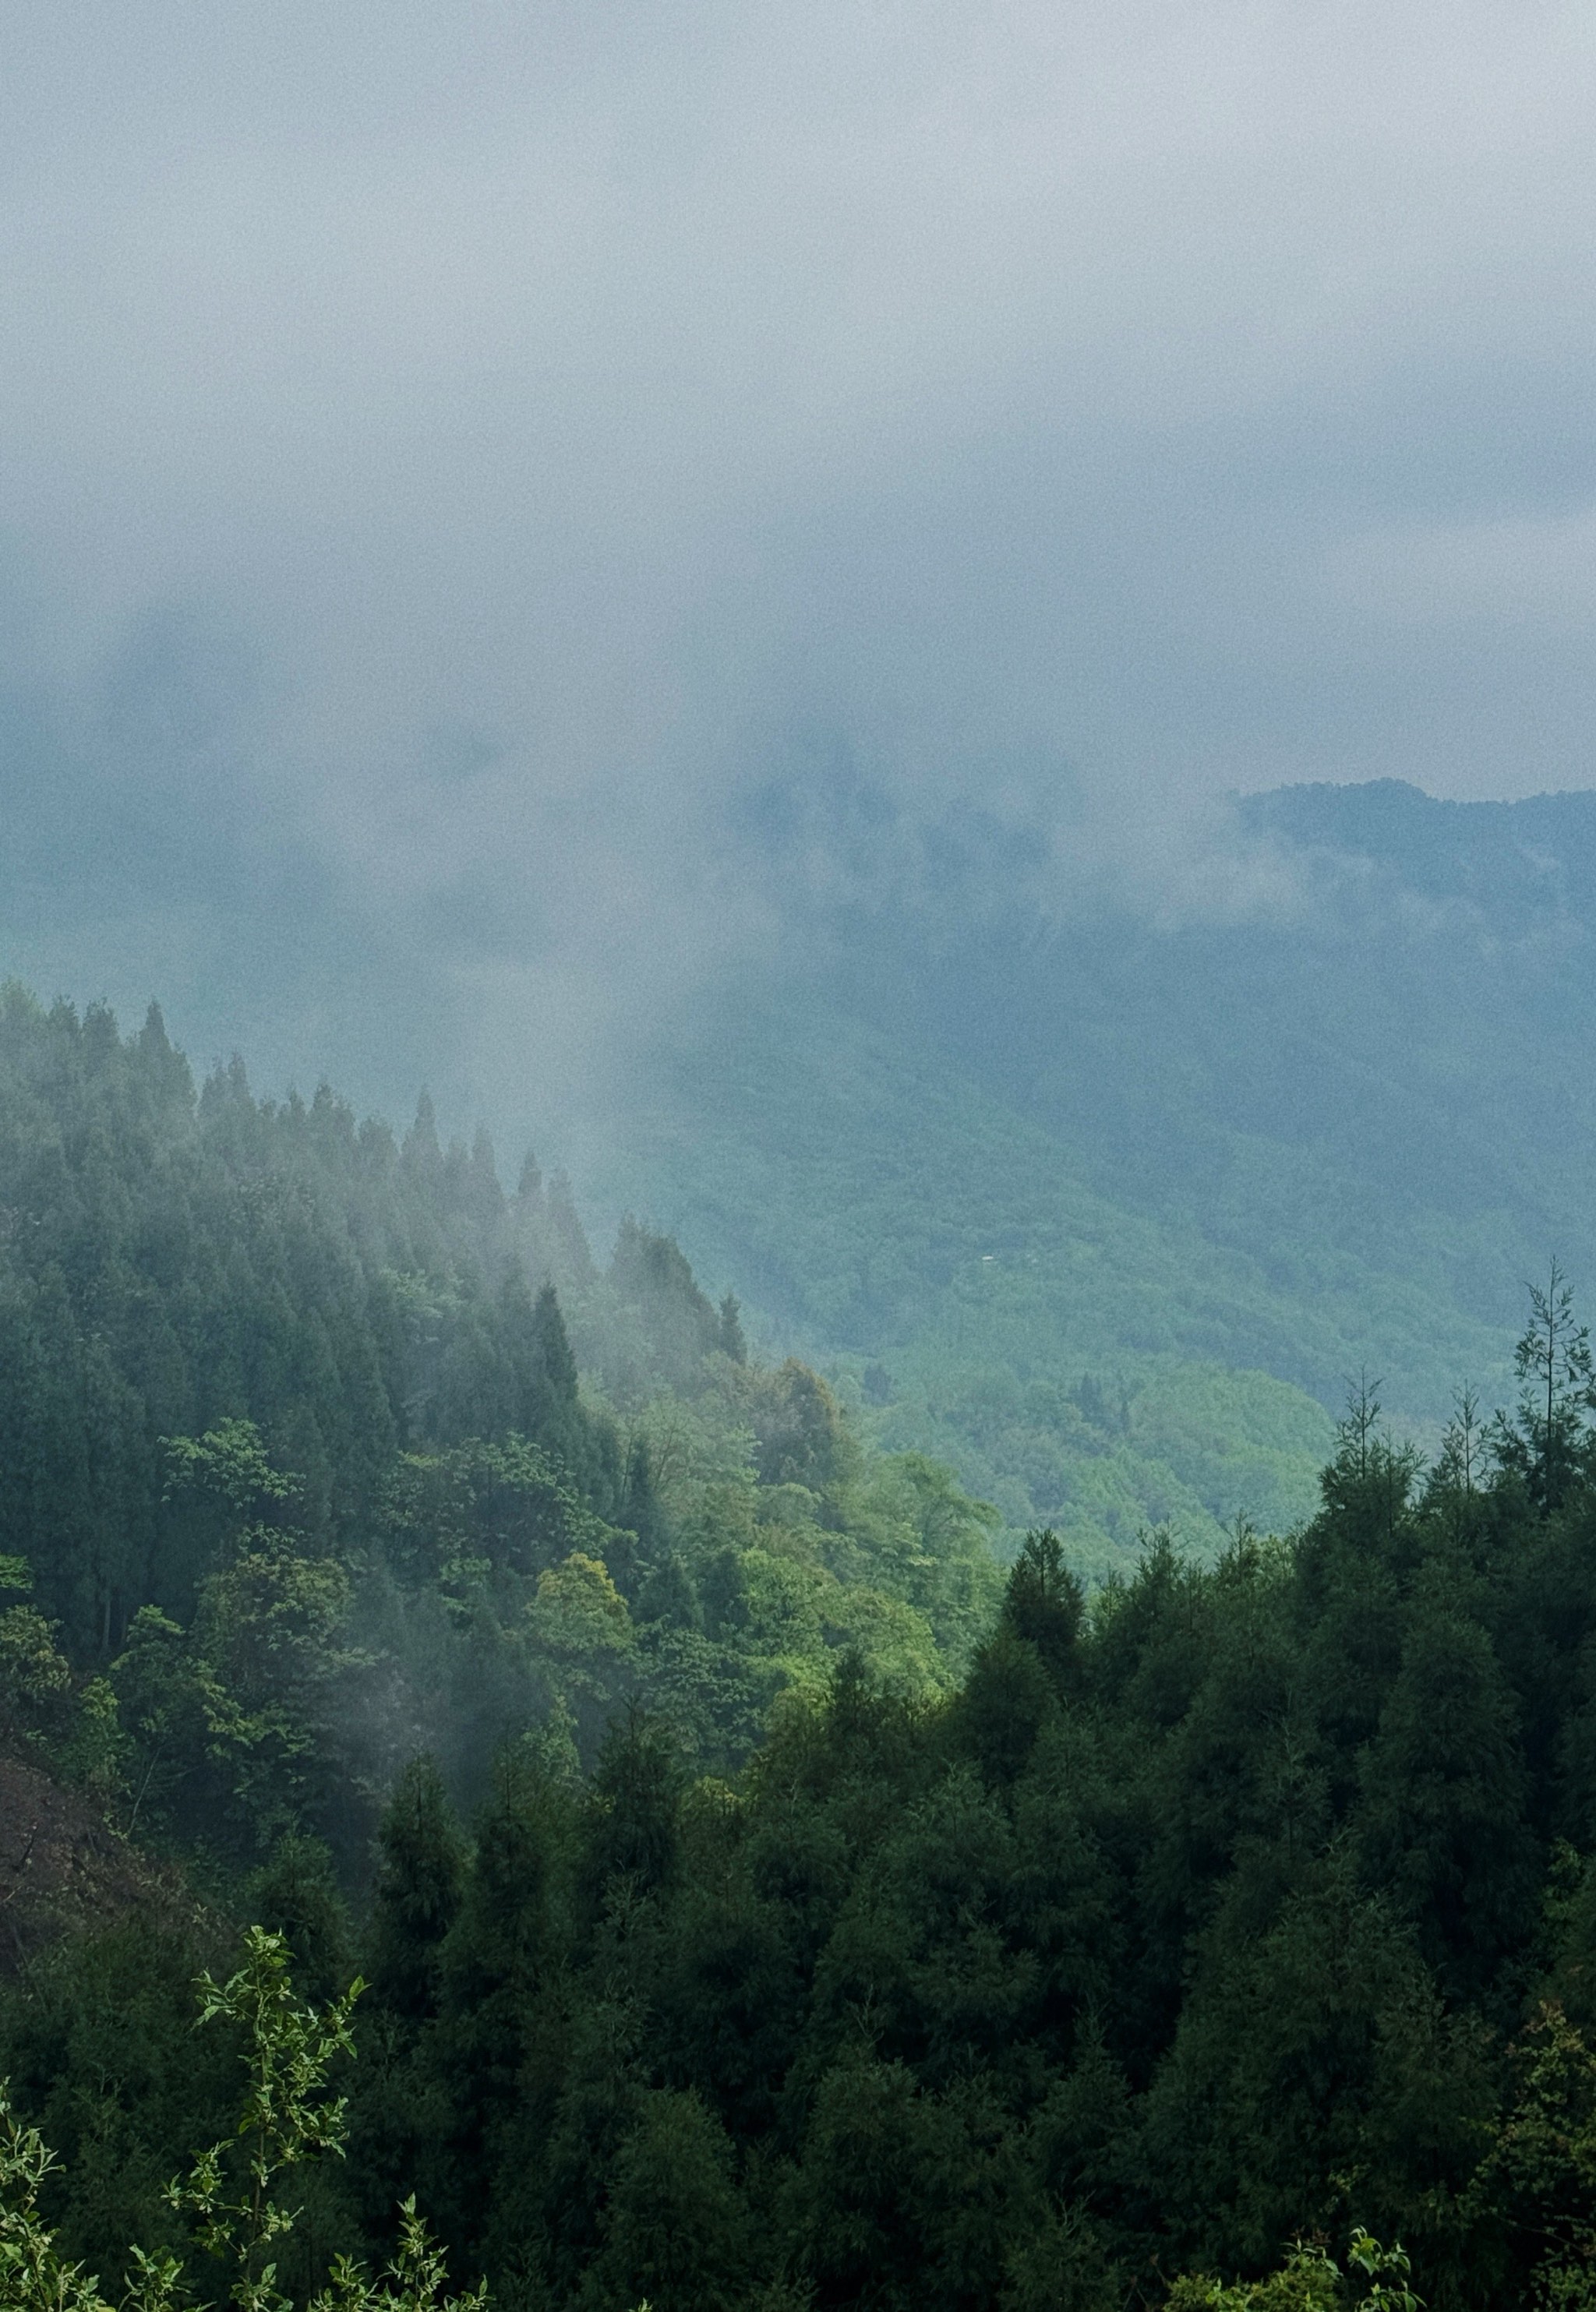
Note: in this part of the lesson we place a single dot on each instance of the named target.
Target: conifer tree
(420, 1880)
(1044, 1603)
(1542, 1441)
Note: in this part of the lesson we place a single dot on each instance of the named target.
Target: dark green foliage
(102, 2053)
(633, 1839)
(675, 2232)
(1044, 1603)
(296, 1894)
(1202, 1917)
(793, 1416)
(416, 1898)
(1239, 1902)
(676, 1328)
(175, 1265)
(1008, 1698)
(1441, 1823)
(731, 1342)
(1232, 1905)
(1542, 1442)
(905, 2192)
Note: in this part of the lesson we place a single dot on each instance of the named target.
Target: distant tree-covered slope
(1000, 1129)
(1081, 1362)
(995, 1131)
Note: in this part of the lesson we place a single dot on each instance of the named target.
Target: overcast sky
(468, 441)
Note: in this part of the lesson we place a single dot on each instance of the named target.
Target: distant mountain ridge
(1031, 1143)
(966, 1125)
(1504, 855)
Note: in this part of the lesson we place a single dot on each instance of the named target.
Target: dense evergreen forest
(762, 1898)
(298, 1463)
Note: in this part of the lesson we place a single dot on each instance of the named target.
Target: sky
(449, 454)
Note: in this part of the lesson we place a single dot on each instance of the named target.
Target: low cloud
(452, 458)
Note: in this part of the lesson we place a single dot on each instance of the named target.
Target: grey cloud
(500, 429)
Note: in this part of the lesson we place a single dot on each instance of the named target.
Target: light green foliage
(297, 1446)
(229, 1464)
(793, 1543)
(1376, 2279)
(1540, 2171)
(926, 1232)
(1186, 1443)
(35, 1675)
(964, 1129)
(579, 1626)
(34, 2277)
(921, 1537)
(231, 2193)
(1308, 2282)
(579, 1611)
(415, 2280)
(695, 1444)
(1384, 2274)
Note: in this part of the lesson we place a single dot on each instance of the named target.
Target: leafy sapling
(1375, 2280)
(33, 2278)
(1386, 2273)
(232, 2192)
(287, 2118)
(413, 2282)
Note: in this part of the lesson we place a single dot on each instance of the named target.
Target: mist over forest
(773, 1868)
(797, 941)
(997, 1137)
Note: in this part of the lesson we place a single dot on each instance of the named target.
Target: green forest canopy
(764, 1900)
(980, 1128)
(297, 1455)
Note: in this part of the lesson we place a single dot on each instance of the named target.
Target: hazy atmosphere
(452, 458)
(797, 962)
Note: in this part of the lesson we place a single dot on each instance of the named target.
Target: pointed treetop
(731, 1342)
(487, 1194)
(421, 1142)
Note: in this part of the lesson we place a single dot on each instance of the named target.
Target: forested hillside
(797, 1418)
(1230, 1908)
(1100, 1185)
(958, 1270)
(297, 1466)
(997, 1126)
